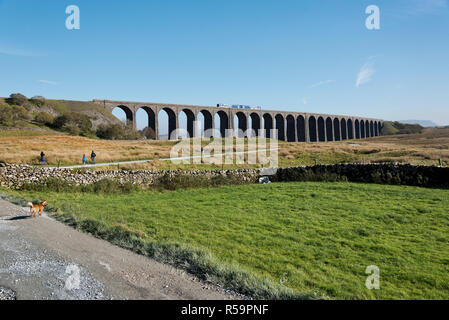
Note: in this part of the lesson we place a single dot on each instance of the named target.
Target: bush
(11, 114)
(104, 186)
(44, 118)
(118, 131)
(17, 99)
(38, 101)
(71, 128)
(170, 181)
(110, 132)
(68, 121)
(149, 133)
(5, 114)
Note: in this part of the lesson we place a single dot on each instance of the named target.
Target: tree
(111, 132)
(39, 101)
(19, 113)
(5, 114)
(44, 118)
(66, 122)
(17, 99)
(149, 133)
(118, 131)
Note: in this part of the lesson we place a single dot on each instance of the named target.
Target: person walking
(42, 158)
(92, 156)
(84, 159)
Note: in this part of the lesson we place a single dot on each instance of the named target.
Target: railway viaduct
(291, 126)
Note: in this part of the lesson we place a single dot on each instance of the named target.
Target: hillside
(96, 113)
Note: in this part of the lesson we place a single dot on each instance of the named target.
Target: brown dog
(35, 208)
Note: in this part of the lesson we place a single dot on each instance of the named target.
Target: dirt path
(41, 259)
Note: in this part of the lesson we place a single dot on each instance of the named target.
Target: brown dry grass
(425, 148)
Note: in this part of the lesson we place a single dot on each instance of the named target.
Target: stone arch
(172, 123)
(350, 130)
(313, 135)
(329, 131)
(362, 129)
(224, 122)
(337, 135)
(190, 122)
(291, 134)
(379, 124)
(128, 112)
(321, 130)
(267, 124)
(242, 124)
(207, 124)
(301, 128)
(357, 129)
(371, 128)
(367, 129)
(255, 124)
(344, 129)
(151, 119)
(280, 127)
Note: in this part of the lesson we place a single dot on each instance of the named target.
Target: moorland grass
(428, 148)
(311, 237)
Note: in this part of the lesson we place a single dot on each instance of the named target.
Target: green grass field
(317, 237)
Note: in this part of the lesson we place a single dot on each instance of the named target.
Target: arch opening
(255, 124)
(280, 127)
(321, 130)
(329, 130)
(344, 128)
(313, 129)
(350, 130)
(301, 129)
(267, 124)
(337, 129)
(124, 114)
(240, 125)
(167, 121)
(146, 121)
(362, 129)
(222, 122)
(291, 133)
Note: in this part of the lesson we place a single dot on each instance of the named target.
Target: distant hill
(397, 127)
(422, 123)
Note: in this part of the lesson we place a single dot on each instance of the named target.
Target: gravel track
(43, 259)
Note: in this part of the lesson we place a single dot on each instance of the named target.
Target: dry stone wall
(14, 176)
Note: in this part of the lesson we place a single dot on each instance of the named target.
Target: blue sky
(287, 55)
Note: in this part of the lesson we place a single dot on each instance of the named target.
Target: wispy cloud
(321, 83)
(366, 72)
(48, 82)
(426, 6)
(304, 101)
(6, 50)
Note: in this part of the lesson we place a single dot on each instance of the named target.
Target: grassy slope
(314, 236)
